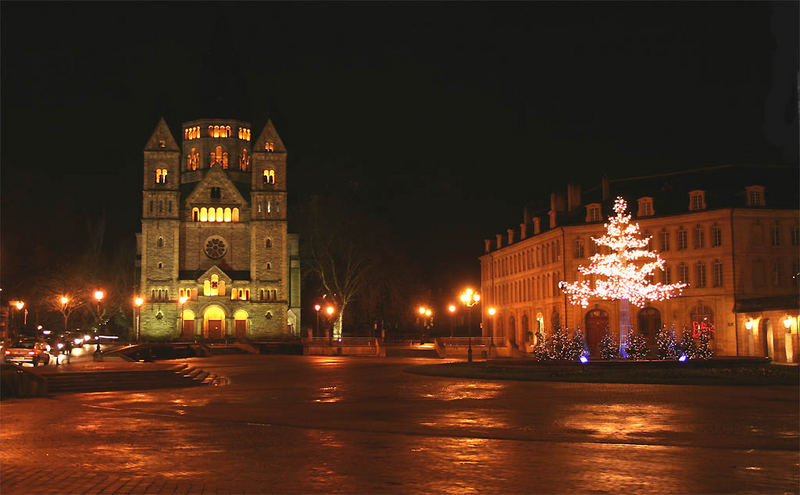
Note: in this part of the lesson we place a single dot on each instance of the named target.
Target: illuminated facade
(214, 235)
(730, 233)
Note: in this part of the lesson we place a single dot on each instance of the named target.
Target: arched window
(268, 146)
(268, 242)
(235, 215)
(220, 216)
(227, 214)
(160, 242)
(216, 131)
(161, 176)
(203, 214)
(244, 161)
(225, 160)
(269, 266)
(212, 215)
(195, 214)
(269, 177)
(228, 131)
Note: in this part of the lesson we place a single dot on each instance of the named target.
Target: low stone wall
(344, 350)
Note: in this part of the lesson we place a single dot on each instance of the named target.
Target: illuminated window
(755, 195)
(645, 207)
(268, 146)
(700, 280)
(220, 216)
(269, 177)
(240, 133)
(697, 200)
(244, 161)
(195, 214)
(235, 215)
(192, 159)
(716, 236)
(212, 215)
(161, 176)
(593, 213)
(225, 160)
(682, 239)
(717, 273)
(203, 214)
(227, 214)
(699, 237)
(228, 131)
(162, 143)
(213, 286)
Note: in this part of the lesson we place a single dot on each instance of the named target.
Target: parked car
(26, 350)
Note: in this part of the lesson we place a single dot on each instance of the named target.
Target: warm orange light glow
(451, 308)
(18, 304)
(227, 214)
(329, 310)
(64, 299)
(428, 312)
(182, 299)
(470, 298)
(98, 294)
(492, 311)
(421, 310)
(787, 322)
(138, 301)
(203, 214)
(748, 324)
(317, 307)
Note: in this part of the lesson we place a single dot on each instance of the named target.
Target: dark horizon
(443, 120)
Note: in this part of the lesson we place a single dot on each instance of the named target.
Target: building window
(160, 265)
(649, 237)
(717, 273)
(215, 247)
(195, 214)
(755, 195)
(160, 242)
(579, 253)
(268, 243)
(192, 159)
(269, 266)
(716, 236)
(697, 200)
(216, 193)
(666, 275)
(593, 213)
(664, 240)
(775, 234)
(269, 315)
(700, 280)
(777, 272)
(269, 177)
(683, 273)
(161, 176)
(682, 242)
(244, 160)
(699, 237)
(269, 146)
(645, 207)
(235, 215)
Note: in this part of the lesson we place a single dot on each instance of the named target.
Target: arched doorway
(649, 325)
(240, 324)
(525, 330)
(768, 338)
(214, 323)
(596, 326)
(187, 325)
(512, 330)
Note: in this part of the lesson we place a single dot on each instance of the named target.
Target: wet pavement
(295, 424)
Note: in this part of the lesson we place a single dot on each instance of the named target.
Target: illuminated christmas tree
(666, 347)
(624, 273)
(608, 348)
(637, 346)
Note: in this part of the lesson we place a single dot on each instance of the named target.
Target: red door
(215, 329)
(187, 332)
(596, 327)
(240, 329)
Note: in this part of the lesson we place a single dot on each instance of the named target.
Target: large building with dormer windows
(732, 233)
(214, 255)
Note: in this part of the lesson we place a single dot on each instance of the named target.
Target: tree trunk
(624, 326)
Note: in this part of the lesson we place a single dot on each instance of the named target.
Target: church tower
(214, 249)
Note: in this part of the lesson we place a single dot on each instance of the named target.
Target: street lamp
(452, 309)
(491, 312)
(138, 302)
(98, 295)
(64, 300)
(470, 299)
(329, 310)
(181, 301)
(19, 305)
(317, 307)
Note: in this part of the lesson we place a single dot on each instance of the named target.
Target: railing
(343, 342)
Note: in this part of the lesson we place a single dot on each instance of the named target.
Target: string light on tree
(623, 273)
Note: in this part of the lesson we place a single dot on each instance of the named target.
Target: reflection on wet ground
(341, 425)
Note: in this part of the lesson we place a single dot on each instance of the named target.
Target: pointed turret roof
(161, 139)
(269, 134)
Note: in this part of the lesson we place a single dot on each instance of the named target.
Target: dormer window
(216, 193)
(645, 207)
(755, 195)
(697, 200)
(593, 212)
(269, 146)
(162, 143)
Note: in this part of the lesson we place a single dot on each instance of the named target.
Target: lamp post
(421, 310)
(452, 310)
(138, 303)
(470, 299)
(64, 300)
(98, 295)
(329, 310)
(182, 301)
(19, 305)
(317, 307)
(491, 312)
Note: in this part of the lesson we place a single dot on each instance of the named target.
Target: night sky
(443, 118)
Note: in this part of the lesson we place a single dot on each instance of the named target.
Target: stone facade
(214, 238)
(737, 251)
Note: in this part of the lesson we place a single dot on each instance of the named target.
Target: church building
(214, 257)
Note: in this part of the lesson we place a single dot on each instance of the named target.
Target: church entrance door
(240, 328)
(215, 329)
(187, 332)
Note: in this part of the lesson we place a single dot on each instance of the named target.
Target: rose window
(215, 248)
